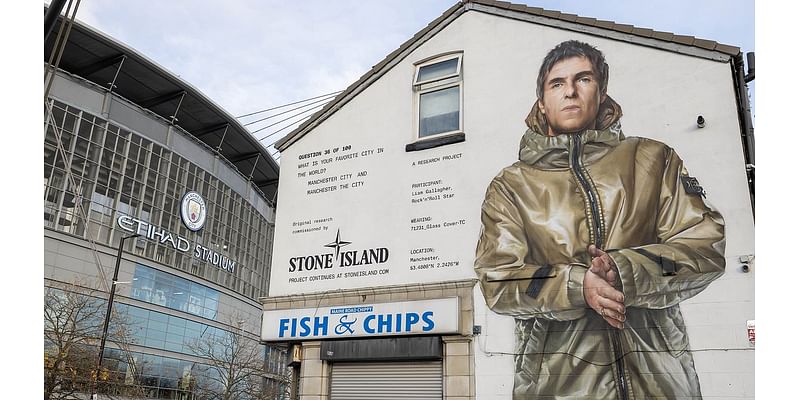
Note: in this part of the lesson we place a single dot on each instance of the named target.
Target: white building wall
(661, 94)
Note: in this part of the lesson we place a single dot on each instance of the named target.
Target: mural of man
(591, 240)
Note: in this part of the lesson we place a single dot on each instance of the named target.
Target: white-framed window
(438, 99)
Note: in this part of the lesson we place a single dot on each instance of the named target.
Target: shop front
(405, 341)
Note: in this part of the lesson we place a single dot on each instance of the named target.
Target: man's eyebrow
(558, 79)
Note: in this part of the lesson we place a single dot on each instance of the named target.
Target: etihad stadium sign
(178, 242)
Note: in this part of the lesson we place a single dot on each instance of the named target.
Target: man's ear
(541, 105)
(603, 98)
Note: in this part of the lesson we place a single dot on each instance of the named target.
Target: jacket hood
(540, 150)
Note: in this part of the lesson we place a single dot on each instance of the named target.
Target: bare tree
(234, 366)
(73, 323)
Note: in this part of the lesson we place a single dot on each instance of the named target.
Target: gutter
(746, 120)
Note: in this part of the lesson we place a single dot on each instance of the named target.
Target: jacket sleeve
(512, 286)
(690, 252)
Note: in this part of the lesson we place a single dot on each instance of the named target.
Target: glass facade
(158, 287)
(153, 376)
(117, 172)
(162, 331)
(149, 375)
(167, 377)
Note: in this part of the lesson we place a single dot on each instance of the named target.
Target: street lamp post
(108, 312)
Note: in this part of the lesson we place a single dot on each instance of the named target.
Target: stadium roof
(96, 57)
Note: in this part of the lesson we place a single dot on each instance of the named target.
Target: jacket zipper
(591, 196)
(577, 168)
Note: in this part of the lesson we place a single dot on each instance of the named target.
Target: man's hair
(569, 49)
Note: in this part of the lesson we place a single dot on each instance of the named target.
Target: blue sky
(250, 55)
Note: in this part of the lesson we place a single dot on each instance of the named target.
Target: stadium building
(131, 148)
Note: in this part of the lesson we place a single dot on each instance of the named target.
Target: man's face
(571, 96)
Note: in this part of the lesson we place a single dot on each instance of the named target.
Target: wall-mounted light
(746, 260)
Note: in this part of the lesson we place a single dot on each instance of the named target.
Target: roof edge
(681, 44)
(667, 41)
(613, 26)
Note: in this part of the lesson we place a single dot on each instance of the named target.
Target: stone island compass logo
(337, 244)
(193, 211)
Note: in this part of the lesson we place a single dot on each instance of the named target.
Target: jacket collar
(539, 150)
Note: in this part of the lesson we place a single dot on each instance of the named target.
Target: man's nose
(570, 90)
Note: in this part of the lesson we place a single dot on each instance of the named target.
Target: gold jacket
(631, 197)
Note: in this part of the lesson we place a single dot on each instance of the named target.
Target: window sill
(436, 142)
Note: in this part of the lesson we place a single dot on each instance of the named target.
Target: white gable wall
(661, 94)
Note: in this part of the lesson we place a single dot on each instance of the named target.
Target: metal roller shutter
(390, 380)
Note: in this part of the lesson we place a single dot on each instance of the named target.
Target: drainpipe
(751, 67)
(745, 120)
